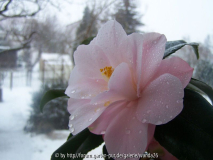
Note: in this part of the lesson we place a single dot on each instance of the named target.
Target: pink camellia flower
(121, 87)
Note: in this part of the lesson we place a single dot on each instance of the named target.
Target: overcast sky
(179, 18)
(174, 18)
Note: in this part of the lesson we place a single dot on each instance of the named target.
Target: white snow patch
(14, 112)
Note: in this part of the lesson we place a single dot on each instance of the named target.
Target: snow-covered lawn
(15, 144)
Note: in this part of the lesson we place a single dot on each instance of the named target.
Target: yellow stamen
(91, 128)
(107, 103)
(106, 72)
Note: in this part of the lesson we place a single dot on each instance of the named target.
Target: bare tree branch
(22, 12)
(24, 45)
(6, 7)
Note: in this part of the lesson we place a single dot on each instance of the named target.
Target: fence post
(43, 71)
(1, 95)
(62, 70)
(11, 80)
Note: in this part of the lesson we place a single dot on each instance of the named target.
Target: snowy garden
(106, 80)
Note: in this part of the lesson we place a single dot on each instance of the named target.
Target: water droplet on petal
(73, 91)
(171, 116)
(103, 132)
(127, 131)
(97, 110)
(167, 106)
(167, 82)
(70, 125)
(71, 130)
(144, 120)
(72, 117)
(159, 122)
(178, 101)
(140, 131)
(90, 119)
(148, 111)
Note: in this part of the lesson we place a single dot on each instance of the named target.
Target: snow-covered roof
(56, 58)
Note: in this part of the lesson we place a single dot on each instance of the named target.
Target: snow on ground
(15, 144)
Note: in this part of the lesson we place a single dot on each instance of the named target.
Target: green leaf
(87, 41)
(49, 95)
(70, 136)
(190, 135)
(173, 46)
(203, 87)
(81, 143)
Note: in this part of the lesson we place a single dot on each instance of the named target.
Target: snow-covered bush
(54, 116)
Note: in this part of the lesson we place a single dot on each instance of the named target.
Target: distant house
(8, 58)
(55, 66)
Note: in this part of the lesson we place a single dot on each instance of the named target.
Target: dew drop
(171, 116)
(103, 132)
(167, 82)
(144, 120)
(140, 132)
(148, 111)
(97, 110)
(127, 131)
(71, 130)
(159, 122)
(73, 91)
(72, 117)
(178, 101)
(70, 125)
(90, 119)
(167, 106)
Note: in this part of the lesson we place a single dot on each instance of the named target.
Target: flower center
(107, 72)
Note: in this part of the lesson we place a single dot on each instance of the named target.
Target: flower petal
(127, 136)
(144, 53)
(102, 122)
(161, 101)
(163, 154)
(176, 67)
(80, 86)
(120, 85)
(149, 56)
(90, 59)
(83, 114)
(109, 38)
